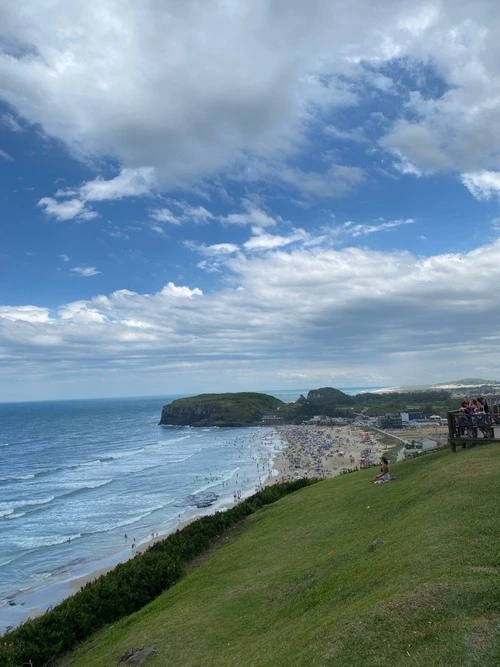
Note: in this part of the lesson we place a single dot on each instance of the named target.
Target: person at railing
(484, 403)
(481, 420)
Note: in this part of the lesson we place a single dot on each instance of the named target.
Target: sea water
(83, 481)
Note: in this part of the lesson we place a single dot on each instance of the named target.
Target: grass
(341, 573)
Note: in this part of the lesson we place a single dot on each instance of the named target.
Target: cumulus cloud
(25, 313)
(482, 184)
(171, 117)
(203, 104)
(67, 209)
(290, 311)
(128, 183)
(72, 203)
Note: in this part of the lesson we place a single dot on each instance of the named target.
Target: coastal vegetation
(339, 573)
(237, 409)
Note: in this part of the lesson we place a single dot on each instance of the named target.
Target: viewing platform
(467, 429)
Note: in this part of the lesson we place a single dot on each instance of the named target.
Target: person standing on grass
(383, 475)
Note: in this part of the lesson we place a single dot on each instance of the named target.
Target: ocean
(81, 481)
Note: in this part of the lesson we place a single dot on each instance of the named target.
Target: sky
(233, 195)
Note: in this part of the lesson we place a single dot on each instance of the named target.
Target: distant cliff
(240, 409)
(329, 395)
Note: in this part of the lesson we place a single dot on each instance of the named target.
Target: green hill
(342, 573)
(234, 409)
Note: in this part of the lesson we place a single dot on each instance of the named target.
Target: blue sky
(226, 196)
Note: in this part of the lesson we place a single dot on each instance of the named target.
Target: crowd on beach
(327, 451)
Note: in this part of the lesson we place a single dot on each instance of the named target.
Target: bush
(127, 588)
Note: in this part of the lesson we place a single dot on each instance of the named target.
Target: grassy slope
(303, 583)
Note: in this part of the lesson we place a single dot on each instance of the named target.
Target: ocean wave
(85, 486)
(181, 437)
(126, 522)
(15, 515)
(4, 444)
(9, 507)
(32, 543)
(113, 456)
(17, 478)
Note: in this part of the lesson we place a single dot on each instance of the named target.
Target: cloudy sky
(214, 195)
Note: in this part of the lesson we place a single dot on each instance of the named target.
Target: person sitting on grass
(383, 475)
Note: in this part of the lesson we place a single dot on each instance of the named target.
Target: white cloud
(251, 216)
(263, 242)
(164, 215)
(194, 213)
(188, 213)
(25, 313)
(322, 312)
(215, 250)
(482, 184)
(128, 183)
(355, 135)
(357, 229)
(10, 122)
(85, 271)
(67, 209)
(180, 291)
(5, 156)
(242, 95)
(64, 258)
(203, 103)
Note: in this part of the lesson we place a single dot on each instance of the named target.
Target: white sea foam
(35, 542)
(130, 521)
(114, 456)
(9, 507)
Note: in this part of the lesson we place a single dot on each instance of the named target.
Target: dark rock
(136, 656)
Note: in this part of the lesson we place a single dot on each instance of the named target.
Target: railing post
(451, 431)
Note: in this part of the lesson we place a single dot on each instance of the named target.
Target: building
(422, 445)
(411, 414)
(391, 420)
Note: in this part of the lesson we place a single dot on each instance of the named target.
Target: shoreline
(22, 605)
(303, 451)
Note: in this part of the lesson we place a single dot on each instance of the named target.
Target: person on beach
(383, 475)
